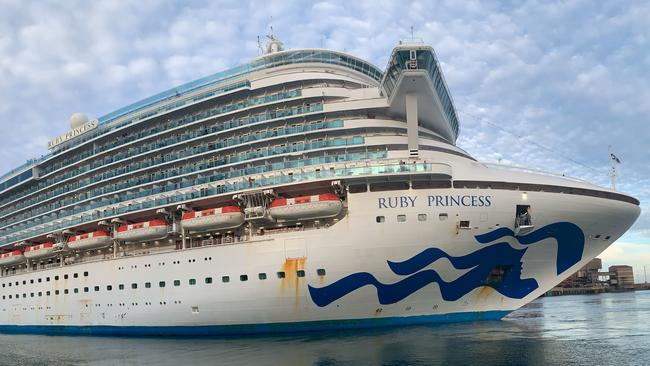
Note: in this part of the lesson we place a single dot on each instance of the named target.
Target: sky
(541, 84)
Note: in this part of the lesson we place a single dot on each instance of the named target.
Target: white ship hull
(438, 285)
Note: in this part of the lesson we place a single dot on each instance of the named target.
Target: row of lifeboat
(221, 218)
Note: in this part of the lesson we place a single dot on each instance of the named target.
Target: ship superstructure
(307, 189)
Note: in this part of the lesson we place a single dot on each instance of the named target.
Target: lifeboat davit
(40, 251)
(94, 240)
(147, 230)
(306, 207)
(12, 258)
(221, 218)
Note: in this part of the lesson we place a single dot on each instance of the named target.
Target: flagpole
(612, 171)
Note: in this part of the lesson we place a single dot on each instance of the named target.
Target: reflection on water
(605, 329)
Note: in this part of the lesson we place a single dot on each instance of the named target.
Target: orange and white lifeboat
(221, 218)
(94, 240)
(11, 258)
(40, 251)
(306, 207)
(147, 230)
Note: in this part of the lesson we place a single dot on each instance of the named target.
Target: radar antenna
(274, 44)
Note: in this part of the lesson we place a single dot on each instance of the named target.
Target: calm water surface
(606, 329)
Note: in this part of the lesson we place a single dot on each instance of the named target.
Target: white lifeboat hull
(141, 232)
(40, 253)
(90, 241)
(12, 259)
(214, 222)
(301, 209)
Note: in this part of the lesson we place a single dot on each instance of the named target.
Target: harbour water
(603, 329)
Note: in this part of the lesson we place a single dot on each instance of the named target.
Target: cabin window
(86, 289)
(75, 275)
(96, 288)
(121, 286)
(389, 186)
(358, 188)
(401, 218)
(109, 288)
(300, 273)
(225, 279)
(243, 278)
(281, 275)
(208, 280)
(443, 217)
(320, 272)
(86, 274)
(39, 280)
(177, 282)
(47, 279)
(76, 291)
(56, 278)
(40, 293)
(427, 184)
(422, 217)
(464, 224)
(47, 293)
(380, 219)
(65, 276)
(56, 292)
(261, 276)
(147, 285)
(192, 281)
(161, 284)
(32, 294)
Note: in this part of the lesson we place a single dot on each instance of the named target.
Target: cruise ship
(305, 190)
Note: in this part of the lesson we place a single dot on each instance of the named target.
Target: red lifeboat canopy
(211, 211)
(304, 199)
(13, 253)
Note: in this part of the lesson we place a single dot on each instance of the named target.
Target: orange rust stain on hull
(290, 267)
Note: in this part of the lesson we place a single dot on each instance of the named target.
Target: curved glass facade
(425, 60)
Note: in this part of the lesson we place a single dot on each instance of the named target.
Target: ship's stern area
(464, 253)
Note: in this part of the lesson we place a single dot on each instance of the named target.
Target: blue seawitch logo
(570, 241)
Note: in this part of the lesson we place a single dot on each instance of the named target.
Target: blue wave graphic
(569, 237)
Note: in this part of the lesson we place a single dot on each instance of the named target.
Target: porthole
(75, 275)
(86, 289)
(121, 286)
(401, 218)
(96, 288)
(76, 291)
(243, 277)
(109, 288)
(225, 279)
(281, 275)
(192, 281)
(300, 273)
(86, 274)
(147, 284)
(65, 276)
(261, 276)
(65, 292)
(380, 219)
(134, 286)
(177, 282)
(320, 272)
(208, 280)
(443, 216)
(161, 284)
(422, 217)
